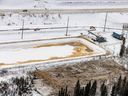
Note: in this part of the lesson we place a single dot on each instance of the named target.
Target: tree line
(21, 86)
(119, 88)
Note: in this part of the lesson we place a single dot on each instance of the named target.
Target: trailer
(118, 36)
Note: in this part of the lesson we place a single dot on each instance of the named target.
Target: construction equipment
(99, 39)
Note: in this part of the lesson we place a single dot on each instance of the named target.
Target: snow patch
(42, 53)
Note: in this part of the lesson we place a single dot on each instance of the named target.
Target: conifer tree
(124, 81)
(87, 88)
(113, 92)
(93, 89)
(125, 91)
(63, 92)
(104, 91)
(118, 86)
(122, 50)
(77, 89)
(123, 87)
(102, 86)
(81, 91)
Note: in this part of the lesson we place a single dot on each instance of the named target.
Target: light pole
(67, 27)
(106, 17)
(22, 34)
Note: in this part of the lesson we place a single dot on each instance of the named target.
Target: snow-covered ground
(63, 4)
(10, 21)
(114, 20)
(14, 21)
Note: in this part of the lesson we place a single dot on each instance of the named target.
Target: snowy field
(14, 21)
(54, 26)
(79, 22)
(84, 20)
(59, 4)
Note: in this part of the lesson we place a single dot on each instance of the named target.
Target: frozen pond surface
(40, 51)
(44, 53)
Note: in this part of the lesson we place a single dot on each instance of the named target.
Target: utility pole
(22, 34)
(123, 27)
(67, 27)
(106, 17)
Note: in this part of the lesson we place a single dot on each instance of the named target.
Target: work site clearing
(67, 75)
(49, 45)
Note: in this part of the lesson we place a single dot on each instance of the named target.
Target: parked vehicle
(101, 39)
(25, 10)
(117, 35)
(98, 38)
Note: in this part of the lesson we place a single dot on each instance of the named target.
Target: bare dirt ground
(101, 70)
